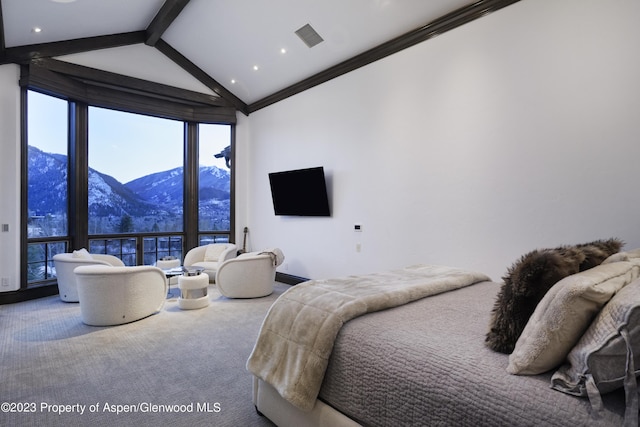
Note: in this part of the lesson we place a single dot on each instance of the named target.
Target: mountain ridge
(157, 196)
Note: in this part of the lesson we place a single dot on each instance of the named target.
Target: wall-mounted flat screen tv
(300, 192)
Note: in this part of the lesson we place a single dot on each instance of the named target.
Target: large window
(136, 173)
(47, 194)
(118, 182)
(214, 164)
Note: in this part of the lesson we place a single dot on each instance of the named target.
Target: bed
(421, 362)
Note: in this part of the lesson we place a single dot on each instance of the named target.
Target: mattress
(425, 363)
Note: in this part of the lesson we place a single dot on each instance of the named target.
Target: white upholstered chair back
(67, 262)
(250, 275)
(210, 257)
(117, 295)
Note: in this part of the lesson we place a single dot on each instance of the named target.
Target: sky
(123, 145)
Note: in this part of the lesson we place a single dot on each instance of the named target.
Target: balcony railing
(40, 268)
(132, 249)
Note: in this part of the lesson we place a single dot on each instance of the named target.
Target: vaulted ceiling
(247, 52)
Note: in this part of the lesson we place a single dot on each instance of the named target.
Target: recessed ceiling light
(233, 81)
(283, 50)
(36, 29)
(256, 68)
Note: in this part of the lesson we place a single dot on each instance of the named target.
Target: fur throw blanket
(529, 279)
(297, 335)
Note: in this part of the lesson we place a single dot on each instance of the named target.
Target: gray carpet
(189, 361)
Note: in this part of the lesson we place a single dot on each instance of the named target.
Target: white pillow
(213, 252)
(82, 253)
(564, 313)
(602, 352)
(607, 357)
(623, 256)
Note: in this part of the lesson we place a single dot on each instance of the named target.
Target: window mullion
(191, 185)
(78, 175)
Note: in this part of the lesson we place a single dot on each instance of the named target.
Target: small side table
(193, 285)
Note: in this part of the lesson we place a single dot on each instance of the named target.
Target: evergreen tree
(126, 224)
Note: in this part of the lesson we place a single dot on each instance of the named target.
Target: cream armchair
(250, 275)
(210, 257)
(67, 262)
(117, 295)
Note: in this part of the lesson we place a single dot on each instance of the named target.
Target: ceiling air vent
(309, 36)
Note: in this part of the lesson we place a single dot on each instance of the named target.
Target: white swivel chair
(117, 295)
(250, 275)
(65, 264)
(210, 257)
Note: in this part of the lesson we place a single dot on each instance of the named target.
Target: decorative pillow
(623, 256)
(529, 279)
(601, 354)
(607, 356)
(82, 253)
(213, 252)
(596, 252)
(563, 315)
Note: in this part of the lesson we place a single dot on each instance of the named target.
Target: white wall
(516, 131)
(9, 177)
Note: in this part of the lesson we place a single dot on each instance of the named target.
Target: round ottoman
(193, 291)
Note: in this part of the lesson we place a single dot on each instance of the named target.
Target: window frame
(132, 96)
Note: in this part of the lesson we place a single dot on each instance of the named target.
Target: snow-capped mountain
(158, 195)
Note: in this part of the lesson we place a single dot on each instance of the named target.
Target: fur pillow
(596, 252)
(529, 279)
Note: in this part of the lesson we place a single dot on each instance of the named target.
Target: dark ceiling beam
(163, 19)
(201, 76)
(132, 84)
(441, 25)
(24, 54)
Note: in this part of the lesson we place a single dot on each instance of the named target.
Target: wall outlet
(358, 247)
(5, 228)
(4, 282)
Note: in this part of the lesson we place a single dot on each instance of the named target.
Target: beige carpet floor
(180, 368)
